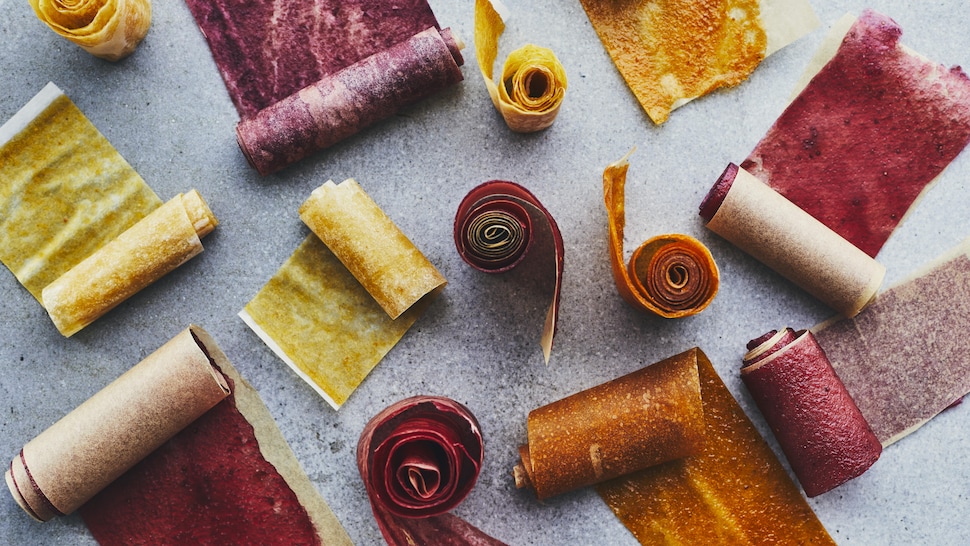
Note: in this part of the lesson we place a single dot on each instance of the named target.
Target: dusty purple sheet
(267, 50)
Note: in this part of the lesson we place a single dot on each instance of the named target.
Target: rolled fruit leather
(156, 245)
(761, 222)
(343, 103)
(645, 418)
(819, 427)
(419, 458)
(74, 459)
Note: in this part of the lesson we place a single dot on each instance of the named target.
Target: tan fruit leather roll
(67, 464)
(109, 29)
(639, 420)
(761, 222)
(147, 251)
(385, 262)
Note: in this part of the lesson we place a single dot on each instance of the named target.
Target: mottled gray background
(166, 110)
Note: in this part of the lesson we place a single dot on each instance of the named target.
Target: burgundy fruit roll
(341, 104)
(824, 435)
(419, 458)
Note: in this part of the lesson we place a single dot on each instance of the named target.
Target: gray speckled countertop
(166, 110)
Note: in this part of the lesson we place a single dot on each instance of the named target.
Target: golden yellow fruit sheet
(673, 51)
(64, 190)
(109, 29)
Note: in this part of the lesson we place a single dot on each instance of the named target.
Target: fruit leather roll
(144, 253)
(824, 435)
(341, 104)
(78, 456)
(648, 417)
(419, 458)
(761, 222)
(497, 224)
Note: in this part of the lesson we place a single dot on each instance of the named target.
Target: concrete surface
(166, 110)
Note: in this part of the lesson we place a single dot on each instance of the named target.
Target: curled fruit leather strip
(670, 53)
(81, 230)
(305, 75)
(670, 275)
(109, 29)
(868, 134)
(824, 435)
(497, 224)
(533, 82)
(419, 458)
(773, 230)
(705, 474)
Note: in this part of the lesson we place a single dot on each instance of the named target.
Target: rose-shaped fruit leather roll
(147, 251)
(824, 435)
(419, 458)
(342, 104)
(370, 245)
(497, 224)
(645, 418)
(110, 29)
(67, 464)
(670, 53)
(761, 222)
(670, 275)
(533, 82)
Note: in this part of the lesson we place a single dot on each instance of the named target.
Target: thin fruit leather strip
(867, 135)
(419, 458)
(496, 226)
(819, 427)
(64, 189)
(673, 51)
(733, 492)
(671, 275)
(644, 418)
(901, 358)
(533, 82)
(268, 50)
(228, 478)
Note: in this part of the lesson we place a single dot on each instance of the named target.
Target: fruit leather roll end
(824, 435)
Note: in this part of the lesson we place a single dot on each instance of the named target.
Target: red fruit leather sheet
(867, 135)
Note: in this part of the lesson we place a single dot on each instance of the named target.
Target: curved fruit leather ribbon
(109, 29)
(495, 227)
(819, 427)
(670, 275)
(533, 81)
(419, 458)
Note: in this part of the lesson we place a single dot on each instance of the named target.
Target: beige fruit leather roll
(109, 29)
(156, 245)
(67, 464)
(761, 222)
(388, 265)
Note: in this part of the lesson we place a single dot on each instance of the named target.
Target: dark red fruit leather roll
(341, 104)
(824, 435)
(419, 458)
